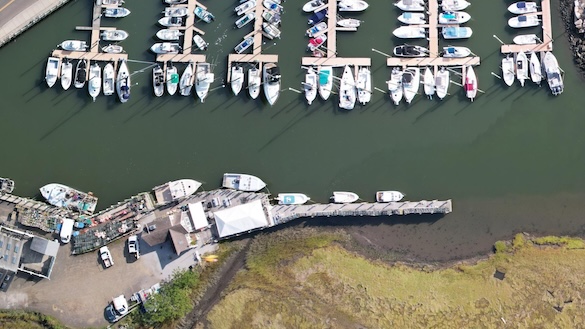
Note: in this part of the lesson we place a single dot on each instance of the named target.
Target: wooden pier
(546, 44)
(37, 214)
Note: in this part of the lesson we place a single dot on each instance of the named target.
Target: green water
(511, 145)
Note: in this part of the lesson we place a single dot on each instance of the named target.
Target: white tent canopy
(198, 217)
(240, 218)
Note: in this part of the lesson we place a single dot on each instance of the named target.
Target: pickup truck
(134, 246)
(106, 256)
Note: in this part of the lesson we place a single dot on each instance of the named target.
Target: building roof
(198, 216)
(240, 218)
(10, 250)
(179, 238)
(159, 235)
(44, 246)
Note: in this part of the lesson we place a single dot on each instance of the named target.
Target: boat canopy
(521, 4)
(239, 219)
(323, 77)
(522, 19)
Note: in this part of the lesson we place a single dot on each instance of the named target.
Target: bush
(570, 243)
(500, 247)
(518, 241)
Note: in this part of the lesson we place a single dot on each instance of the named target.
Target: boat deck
(547, 41)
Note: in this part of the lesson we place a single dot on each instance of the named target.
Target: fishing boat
(325, 81)
(292, 198)
(158, 81)
(456, 52)
(52, 71)
(123, 83)
(456, 32)
(172, 79)
(204, 15)
(117, 12)
(179, 11)
(389, 196)
(165, 48)
(349, 23)
(317, 17)
(523, 7)
(454, 17)
(66, 74)
(524, 21)
(114, 35)
(244, 20)
(271, 31)
(535, 69)
(310, 85)
(169, 34)
(521, 61)
(271, 78)
(203, 79)
(242, 182)
(525, 39)
(109, 79)
(410, 51)
(429, 83)
(171, 21)
(199, 42)
(80, 73)
(313, 31)
(409, 32)
(175, 190)
(553, 73)
(352, 5)
(395, 85)
(6, 185)
(254, 82)
(412, 18)
(245, 44)
(186, 82)
(364, 85)
(410, 83)
(245, 7)
(344, 197)
(270, 17)
(442, 82)
(470, 85)
(112, 49)
(509, 75)
(315, 43)
(313, 5)
(347, 92)
(411, 5)
(175, 2)
(454, 5)
(94, 85)
(73, 45)
(63, 196)
(237, 79)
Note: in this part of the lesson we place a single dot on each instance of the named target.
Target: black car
(111, 314)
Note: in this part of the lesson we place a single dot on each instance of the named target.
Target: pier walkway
(37, 214)
(546, 44)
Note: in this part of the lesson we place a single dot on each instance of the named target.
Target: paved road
(10, 8)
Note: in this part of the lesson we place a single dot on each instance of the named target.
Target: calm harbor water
(512, 160)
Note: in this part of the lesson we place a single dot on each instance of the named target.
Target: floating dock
(546, 44)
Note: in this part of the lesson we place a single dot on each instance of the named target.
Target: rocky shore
(574, 22)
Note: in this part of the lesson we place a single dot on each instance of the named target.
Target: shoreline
(576, 41)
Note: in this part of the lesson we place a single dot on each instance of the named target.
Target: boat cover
(521, 4)
(318, 16)
(323, 77)
(522, 19)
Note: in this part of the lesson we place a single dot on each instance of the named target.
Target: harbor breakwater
(573, 17)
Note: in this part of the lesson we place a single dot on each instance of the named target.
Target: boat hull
(254, 82)
(242, 182)
(325, 81)
(66, 74)
(344, 197)
(389, 196)
(508, 71)
(292, 198)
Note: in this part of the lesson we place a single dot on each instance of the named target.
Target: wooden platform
(547, 42)
(336, 61)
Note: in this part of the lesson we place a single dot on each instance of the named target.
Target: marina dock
(546, 44)
(36, 214)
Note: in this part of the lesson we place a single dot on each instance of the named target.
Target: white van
(66, 230)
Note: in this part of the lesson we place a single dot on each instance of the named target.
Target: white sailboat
(429, 83)
(203, 79)
(521, 61)
(254, 82)
(347, 92)
(186, 81)
(158, 81)
(508, 70)
(310, 85)
(109, 79)
(410, 83)
(271, 78)
(389, 196)
(66, 74)
(553, 73)
(292, 198)
(237, 79)
(395, 85)
(535, 69)
(94, 85)
(172, 79)
(364, 85)
(123, 83)
(325, 81)
(470, 84)
(242, 182)
(442, 82)
(412, 18)
(52, 71)
(344, 197)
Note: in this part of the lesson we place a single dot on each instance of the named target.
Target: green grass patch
(568, 242)
(28, 320)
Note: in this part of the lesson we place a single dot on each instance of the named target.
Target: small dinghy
(349, 22)
(429, 83)
(410, 51)
(389, 196)
(169, 34)
(412, 18)
(411, 5)
(245, 7)
(395, 85)
(526, 39)
(521, 61)
(313, 31)
(172, 79)
(352, 5)
(66, 74)
(509, 75)
(409, 32)
(523, 7)
(454, 5)
(344, 197)
(113, 49)
(313, 5)
(114, 35)
(116, 12)
(292, 198)
(453, 32)
(454, 17)
(317, 17)
(470, 85)
(524, 21)
(535, 69)
(442, 82)
(176, 11)
(456, 52)
(199, 42)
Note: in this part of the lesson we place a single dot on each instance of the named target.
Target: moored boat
(389, 196)
(523, 7)
(165, 48)
(412, 18)
(114, 35)
(116, 12)
(524, 21)
(454, 17)
(454, 5)
(94, 84)
(80, 73)
(271, 78)
(313, 5)
(456, 52)
(108, 79)
(171, 21)
(254, 82)
(245, 44)
(270, 17)
(292, 198)
(175, 190)
(410, 51)
(316, 29)
(237, 79)
(410, 83)
(66, 74)
(442, 82)
(344, 197)
(169, 34)
(178, 11)
(310, 85)
(347, 92)
(244, 20)
(525, 39)
(174, 2)
(535, 69)
(73, 45)
(112, 49)
(553, 73)
(271, 31)
(6, 185)
(315, 43)
(203, 79)
(158, 81)
(395, 85)
(172, 79)
(429, 83)
(242, 182)
(470, 84)
(199, 42)
(52, 71)
(203, 14)
(63, 196)
(521, 61)
(364, 85)
(325, 81)
(409, 32)
(456, 32)
(411, 5)
(123, 83)
(186, 82)
(352, 5)
(349, 22)
(245, 7)
(509, 75)
(317, 17)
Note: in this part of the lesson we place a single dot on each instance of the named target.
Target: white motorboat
(389, 196)
(456, 32)
(73, 45)
(113, 3)
(454, 5)
(315, 43)
(553, 73)
(352, 5)
(535, 69)
(245, 7)
(521, 61)
(178, 11)
(292, 198)
(114, 35)
(113, 49)
(175, 190)
(316, 29)
(94, 84)
(442, 82)
(80, 73)
(117, 12)
(123, 83)
(395, 85)
(412, 18)
(6, 185)
(454, 17)
(523, 7)
(273, 5)
(158, 81)
(347, 92)
(314, 5)
(52, 71)
(245, 44)
(199, 42)
(325, 81)
(270, 30)
(409, 32)
(165, 48)
(410, 51)
(456, 52)
(203, 14)
(63, 196)
(470, 84)
(429, 83)
(364, 85)
(254, 82)
(169, 34)
(244, 20)
(344, 197)
(270, 17)
(186, 82)
(310, 85)
(349, 22)
(524, 21)
(66, 74)
(271, 77)
(171, 21)
(242, 182)
(411, 5)
(509, 75)
(410, 83)
(203, 79)
(237, 79)
(172, 79)
(526, 39)
(108, 79)
(174, 2)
